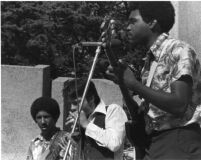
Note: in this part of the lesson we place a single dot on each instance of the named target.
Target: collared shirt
(112, 137)
(39, 147)
(175, 58)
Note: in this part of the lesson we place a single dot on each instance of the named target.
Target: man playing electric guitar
(173, 67)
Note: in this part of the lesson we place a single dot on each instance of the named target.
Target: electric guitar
(136, 130)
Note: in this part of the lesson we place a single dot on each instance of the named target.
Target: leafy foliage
(44, 33)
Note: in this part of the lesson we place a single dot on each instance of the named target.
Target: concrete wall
(189, 21)
(187, 26)
(108, 91)
(23, 84)
(57, 93)
(20, 86)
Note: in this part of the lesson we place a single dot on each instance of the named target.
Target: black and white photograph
(100, 80)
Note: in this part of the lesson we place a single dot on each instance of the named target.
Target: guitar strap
(148, 83)
(151, 73)
(153, 67)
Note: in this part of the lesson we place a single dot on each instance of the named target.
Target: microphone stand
(103, 26)
(98, 51)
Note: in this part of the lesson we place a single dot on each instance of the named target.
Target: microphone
(91, 44)
(112, 43)
(103, 64)
(115, 43)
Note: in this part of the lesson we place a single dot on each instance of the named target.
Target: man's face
(86, 107)
(45, 122)
(137, 30)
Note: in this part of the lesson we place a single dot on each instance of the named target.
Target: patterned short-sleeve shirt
(175, 58)
(40, 147)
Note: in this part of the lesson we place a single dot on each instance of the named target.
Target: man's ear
(152, 24)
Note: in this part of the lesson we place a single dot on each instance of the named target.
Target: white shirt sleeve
(112, 137)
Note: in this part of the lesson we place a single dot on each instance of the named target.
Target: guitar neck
(130, 103)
